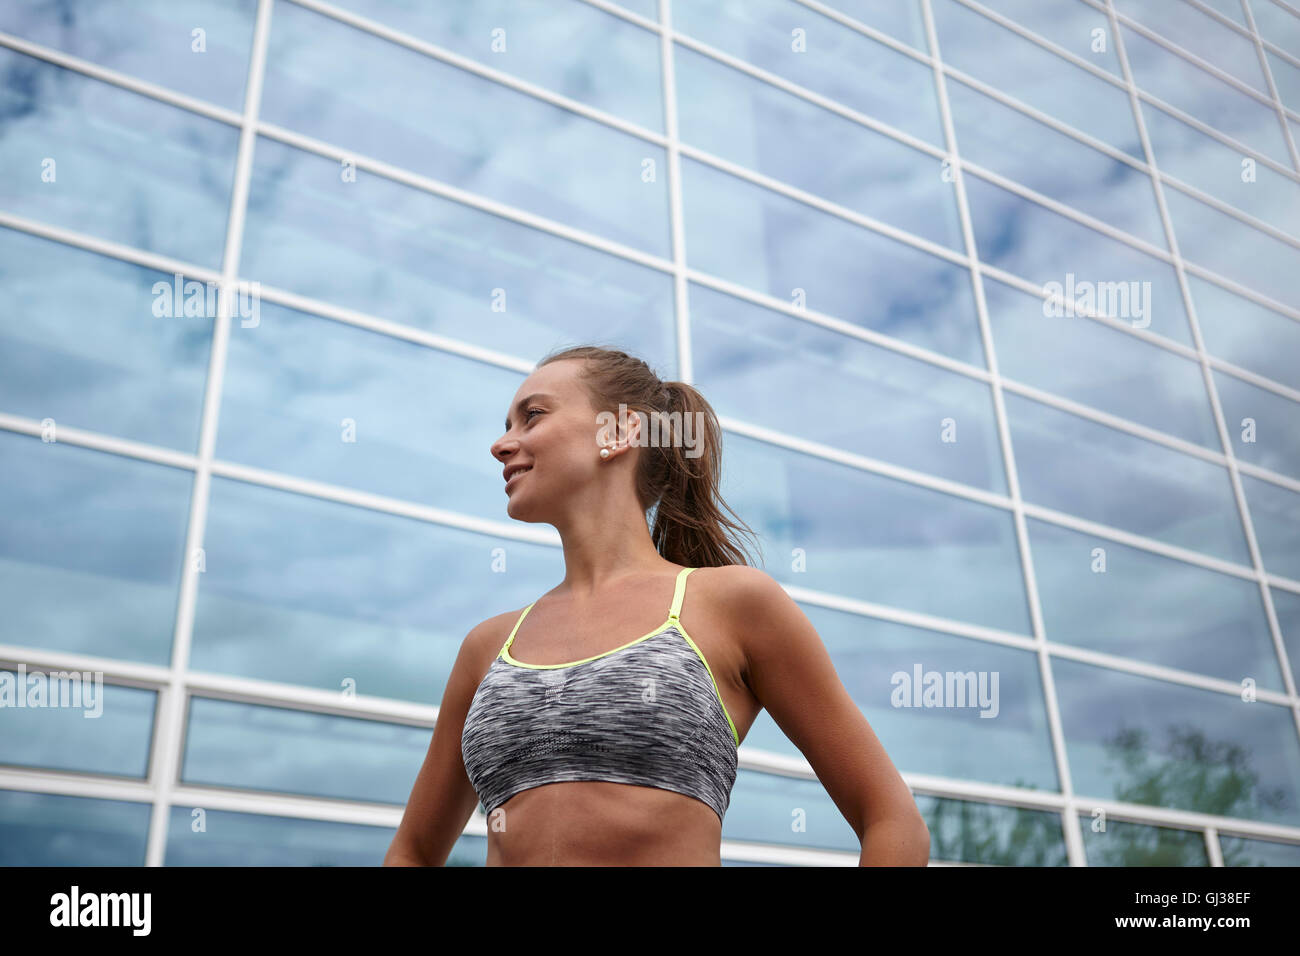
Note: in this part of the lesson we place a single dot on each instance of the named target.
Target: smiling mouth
(517, 475)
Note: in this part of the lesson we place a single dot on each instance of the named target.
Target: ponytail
(679, 475)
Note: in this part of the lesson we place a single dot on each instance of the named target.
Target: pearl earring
(604, 453)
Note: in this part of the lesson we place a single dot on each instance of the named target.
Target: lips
(515, 475)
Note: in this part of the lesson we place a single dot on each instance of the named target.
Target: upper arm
(791, 673)
(443, 799)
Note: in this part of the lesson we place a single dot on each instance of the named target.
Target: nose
(502, 448)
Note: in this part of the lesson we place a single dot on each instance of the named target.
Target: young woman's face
(551, 429)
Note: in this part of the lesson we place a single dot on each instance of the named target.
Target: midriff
(598, 823)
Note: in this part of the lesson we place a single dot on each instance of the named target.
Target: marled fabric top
(646, 713)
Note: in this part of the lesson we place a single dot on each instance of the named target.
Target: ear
(636, 428)
(630, 430)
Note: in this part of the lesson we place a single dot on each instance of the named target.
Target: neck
(598, 554)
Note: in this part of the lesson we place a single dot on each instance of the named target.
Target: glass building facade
(997, 302)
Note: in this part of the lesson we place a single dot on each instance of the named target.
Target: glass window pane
(357, 91)
(337, 403)
(1060, 167)
(1240, 851)
(822, 55)
(1082, 468)
(101, 344)
(646, 8)
(765, 735)
(1229, 8)
(1247, 334)
(406, 255)
(1275, 513)
(1069, 258)
(1277, 25)
(728, 861)
(1233, 249)
(80, 158)
(1141, 740)
(877, 660)
(877, 539)
(781, 135)
(1265, 426)
(467, 851)
(155, 40)
(752, 236)
(1200, 34)
(1108, 597)
(252, 839)
(91, 546)
(963, 831)
(1003, 712)
(72, 720)
(1286, 76)
(1204, 96)
(901, 20)
(1071, 24)
(1286, 604)
(1202, 161)
(740, 349)
(282, 569)
(50, 829)
(1035, 76)
(253, 747)
(1083, 360)
(608, 62)
(761, 807)
(1139, 844)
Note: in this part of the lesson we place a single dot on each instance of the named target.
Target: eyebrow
(519, 406)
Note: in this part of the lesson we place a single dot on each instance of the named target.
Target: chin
(526, 511)
(516, 510)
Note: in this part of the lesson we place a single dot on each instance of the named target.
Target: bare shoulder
(485, 639)
(745, 597)
(764, 620)
(742, 589)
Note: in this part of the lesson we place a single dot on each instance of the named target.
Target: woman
(587, 748)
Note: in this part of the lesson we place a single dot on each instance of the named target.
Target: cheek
(571, 449)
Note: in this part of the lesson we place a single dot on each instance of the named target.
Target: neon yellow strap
(679, 594)
(516, 627)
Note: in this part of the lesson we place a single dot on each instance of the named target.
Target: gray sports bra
(646, 713)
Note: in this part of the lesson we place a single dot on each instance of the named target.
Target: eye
(528, 416)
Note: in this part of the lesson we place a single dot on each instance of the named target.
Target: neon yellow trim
(678, 593)
(673, 621)
(515, 629)
(696, 648)
(505, 651)
(672, 616)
